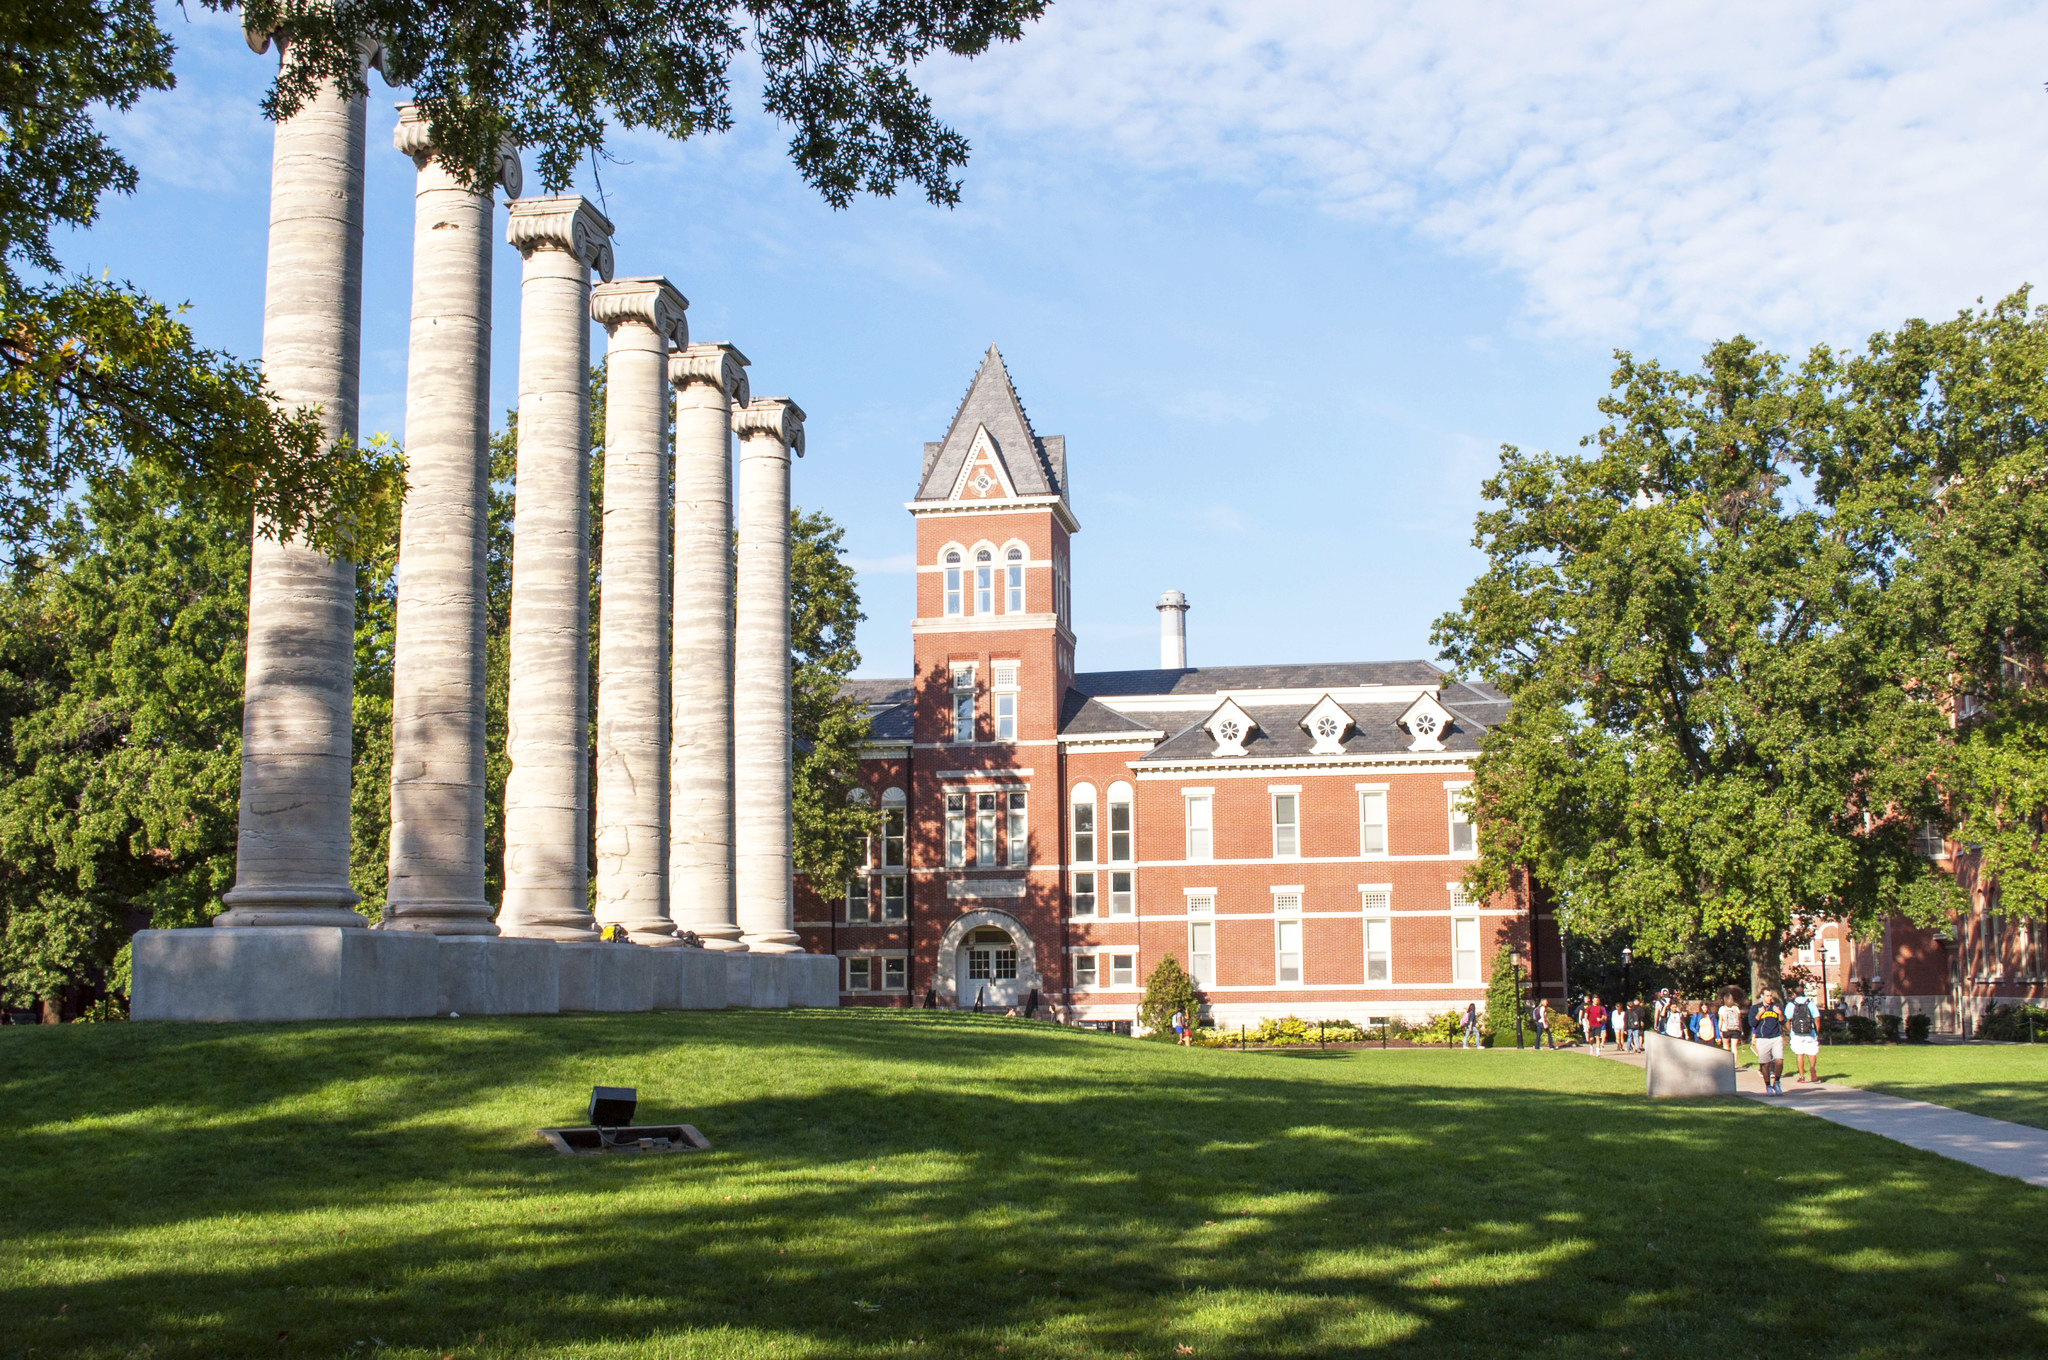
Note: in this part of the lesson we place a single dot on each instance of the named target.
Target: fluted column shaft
(292, 834)
(547, 793)
(436, 878)
(709, 380)
(642, 318)
(769, 430)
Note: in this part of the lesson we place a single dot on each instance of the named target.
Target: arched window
(953, 582)
(984, 582)
(1122, 900)
(1015, 603)
(1083, 822)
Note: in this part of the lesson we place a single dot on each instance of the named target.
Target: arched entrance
(987, 955)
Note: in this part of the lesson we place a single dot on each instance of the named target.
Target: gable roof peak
(1036, 467)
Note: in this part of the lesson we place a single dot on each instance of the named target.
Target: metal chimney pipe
(1173, 631)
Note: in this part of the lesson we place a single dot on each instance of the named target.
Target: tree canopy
(549, 74)
(1715, 724)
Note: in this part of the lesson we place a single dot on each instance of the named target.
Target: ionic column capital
(650, 302)
(412, 138)
(714, 365)
(369, 50)
(774, 417)
(571, 225)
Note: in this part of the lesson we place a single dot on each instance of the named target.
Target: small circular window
(1425, 724)
(1326, 727)
(1229, 731)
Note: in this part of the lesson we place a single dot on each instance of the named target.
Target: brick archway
(947, 984)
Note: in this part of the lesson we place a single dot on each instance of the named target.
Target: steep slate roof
(1374, 732)
(1213, 679)
(1081, 716)
(1037, 467)
(888, 705)
(1475, 700)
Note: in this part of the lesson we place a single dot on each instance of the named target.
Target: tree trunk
(1766, 965)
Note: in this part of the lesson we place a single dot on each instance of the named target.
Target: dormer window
(953, 582)
(1327, 725)
(1428, 722)
(1231, 727)
(984, 582)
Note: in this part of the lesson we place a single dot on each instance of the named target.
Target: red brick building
(1294, 835)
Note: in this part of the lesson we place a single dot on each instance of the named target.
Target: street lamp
(1628, 992)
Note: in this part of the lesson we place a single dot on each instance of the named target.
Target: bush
(2019, 1024)
(1438, 1029)
(1917, 1027)
(1503, 995)
(1891, 1027)
(1564, 1028)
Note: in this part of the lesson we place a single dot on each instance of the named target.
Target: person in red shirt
(1596, 1024)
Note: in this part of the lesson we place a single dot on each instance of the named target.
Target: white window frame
(1280, 952)
(956, 830)
(901, 967)
(1376, 907)
(1135, 974)
(1082, 796)
(984, 581)
(954, 562)
(1293, 828)
(1017, 828)
(1477, 952)
(1454, 794)
(1087, 972)
(1120, 797)
(1013, 588)
(987, 821)
(1201, 908)
(1003, 694)
(964, 691)
(1123, 893)
(1370, 795)
(1202, 850)
(866, 964)
(1085, 904)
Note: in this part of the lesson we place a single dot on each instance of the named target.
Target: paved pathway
(2007, 1149)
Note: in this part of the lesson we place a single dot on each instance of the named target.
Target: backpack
(1801, 1018)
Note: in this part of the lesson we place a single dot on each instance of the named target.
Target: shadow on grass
(880, 1181)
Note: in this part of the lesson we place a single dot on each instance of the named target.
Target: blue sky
(1284, 274)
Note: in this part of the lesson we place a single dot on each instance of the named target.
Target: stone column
(547, 794)
(709, 380)
(291, 843)
(770, 430)
(642, 317)
(436, 879)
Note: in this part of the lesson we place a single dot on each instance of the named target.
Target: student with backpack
(1803, 1019)
(1767, 1041)
(1596, 1025)
(1543, 1026)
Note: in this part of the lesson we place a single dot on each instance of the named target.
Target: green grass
(938, 1185)
(2004, 1081)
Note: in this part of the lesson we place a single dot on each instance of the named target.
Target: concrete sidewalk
(1994, 1145)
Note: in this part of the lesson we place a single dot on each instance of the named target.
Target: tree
(549, 73)
(96, 378)
(1504, 996)
(1168, 989)
(1713, 727)
(830, 727)
(120, 733)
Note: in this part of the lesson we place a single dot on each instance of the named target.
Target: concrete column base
(1680, 1067)
(813, 979)
(486, 975)
(692, 980)
(284, 973)
(610, 977)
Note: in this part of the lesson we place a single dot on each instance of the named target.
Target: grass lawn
(939, 1185)
(2004, 1081)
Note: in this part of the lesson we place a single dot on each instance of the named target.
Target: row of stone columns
(693, 758)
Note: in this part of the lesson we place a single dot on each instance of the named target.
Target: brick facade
(1053, 823)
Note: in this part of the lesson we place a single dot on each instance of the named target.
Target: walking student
(1471, 1024)
(1180, 1027)
(1767, 1041)
(1543, 1025)
(1730, 1019)
(1803, 1019)
(1638, 1013)
(1596, 1025)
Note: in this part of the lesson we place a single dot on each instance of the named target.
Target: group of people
(1767, 1025)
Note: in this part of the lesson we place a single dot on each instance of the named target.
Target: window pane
(1084, 833)
(892, 898)
(893, 977)
(963, 717)
(1006, 965)
(1123, 970)
(1202, 953)
(1461, 830)
(858, 974)
(956, 830)
(1199, 838)
(1464, 950)
(984, 592)
(1288, 938)
(1084, 970)
(1201, 906)
(978, 962)
(1378, 957)
(1372, 823)
(1120, 903)
(892, 839)
(952, 590)
(1084, 894)
(985, 830)
(1119, 833)
(1006, 717)
(856, 899)
(1016, 602)
(1018, 832)
(1287, 902)
(1285, 839)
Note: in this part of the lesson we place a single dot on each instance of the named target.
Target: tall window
(1017, 835)
(892, 837)
(1199, 832)
(1461, 825)
(953, 582)
(1005, 695)
(857, 905)
(1202, 940)
(1015, 604)
(1372, 823)
(963, 703)
(1287, 946)
(1084, 894)
(1379, 954)
(984, 582)
(1122, 900)
(1464, 949)
(1929, 841)
(956, 830)
(1084, 824)
(985, 830)
(889, 905)
(1084, 970)
(1286, 825)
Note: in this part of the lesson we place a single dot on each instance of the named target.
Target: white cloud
(1799, 171)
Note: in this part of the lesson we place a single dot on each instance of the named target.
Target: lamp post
(1628, 993)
